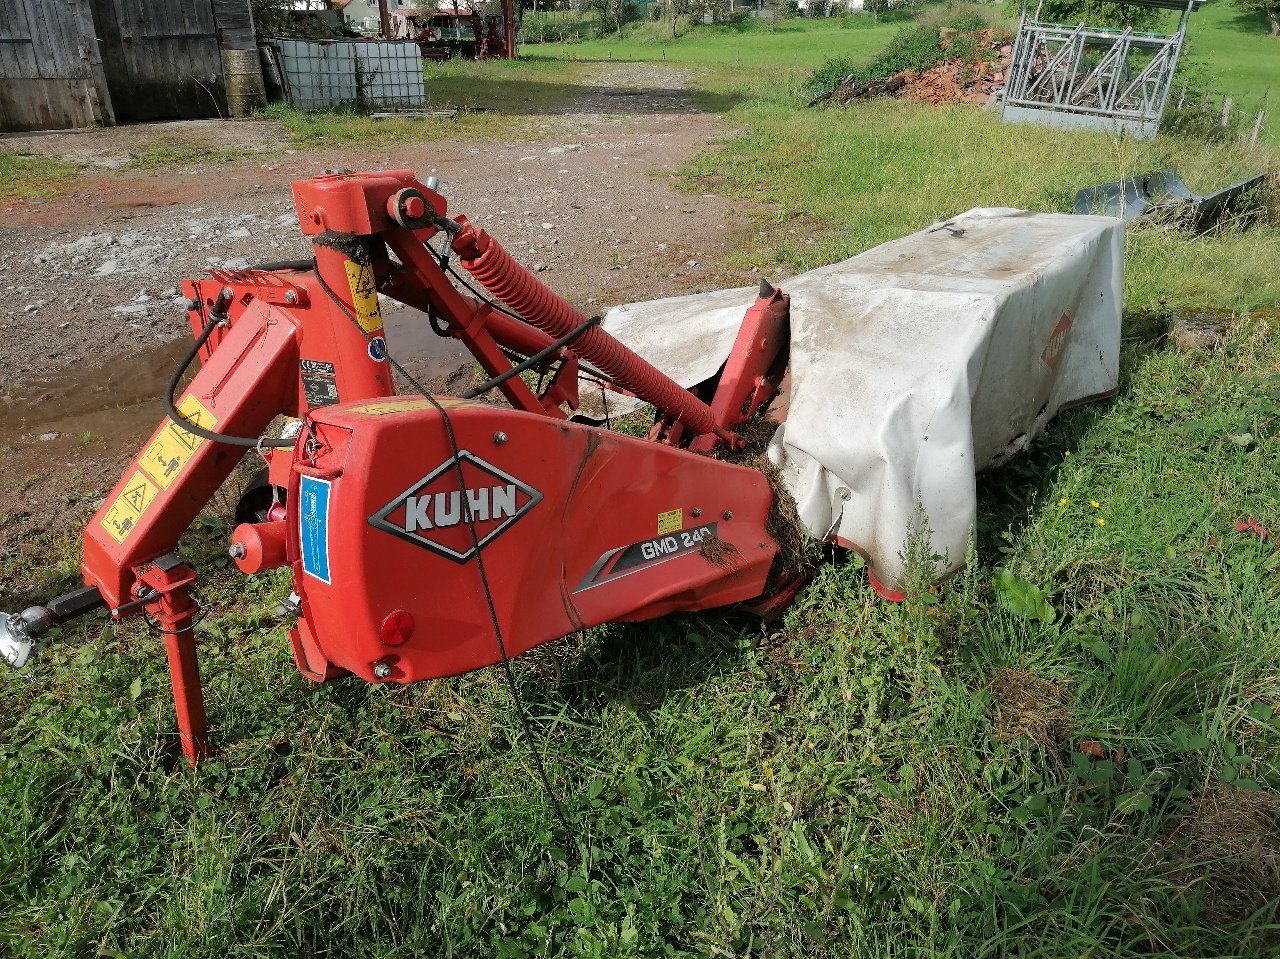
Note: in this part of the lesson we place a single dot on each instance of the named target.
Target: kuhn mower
(428, 535)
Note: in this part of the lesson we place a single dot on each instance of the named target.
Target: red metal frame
(577, 525)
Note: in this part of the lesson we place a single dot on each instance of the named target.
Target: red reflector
(397, 628)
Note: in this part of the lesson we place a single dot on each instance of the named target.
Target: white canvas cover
(917, 364)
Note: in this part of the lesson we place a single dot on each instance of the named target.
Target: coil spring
(496, 270)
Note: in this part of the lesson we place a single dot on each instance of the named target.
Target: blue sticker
(377, 349)
(313, 525)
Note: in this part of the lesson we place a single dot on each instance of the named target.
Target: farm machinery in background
(432, 535)
(473, 32)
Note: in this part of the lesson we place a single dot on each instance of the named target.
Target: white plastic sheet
(917, 364)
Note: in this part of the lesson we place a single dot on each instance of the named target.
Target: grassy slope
(1239, 57)
(869, 780)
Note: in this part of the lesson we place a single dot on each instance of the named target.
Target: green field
(1239, 58)
(1070, 749)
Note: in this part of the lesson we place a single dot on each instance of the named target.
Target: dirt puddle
(90, 401)
(121, 399)
(437, 362)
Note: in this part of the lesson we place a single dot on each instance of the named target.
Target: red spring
(488, 262)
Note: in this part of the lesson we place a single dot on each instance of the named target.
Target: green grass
(1070, 749)
(793, 45)
(841, 181)
(163, 155)
(1239, 57)
(26, 177)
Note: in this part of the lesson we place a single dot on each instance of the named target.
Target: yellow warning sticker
(364, 295)
(123, 513)
(670, 521)
(383, 407)
(172, 447)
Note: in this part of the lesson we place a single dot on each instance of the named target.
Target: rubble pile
(974, 77)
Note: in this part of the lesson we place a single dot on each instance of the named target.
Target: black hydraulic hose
(216, 316)
(532, 361)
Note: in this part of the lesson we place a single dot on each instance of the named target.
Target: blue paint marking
(313, 525)
(377, 349)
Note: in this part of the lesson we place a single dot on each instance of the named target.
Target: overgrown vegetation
(1095, 13)
(917, 47)
(1072, 748)
(1265, 10)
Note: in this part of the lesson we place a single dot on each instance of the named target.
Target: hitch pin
(135, 605)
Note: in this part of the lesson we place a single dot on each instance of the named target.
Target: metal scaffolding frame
(1091, 77)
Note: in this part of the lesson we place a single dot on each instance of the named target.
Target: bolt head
(382, 669)
(696, 512)
(728, 514)
(291, 296)
(499, 437)
(236, 551)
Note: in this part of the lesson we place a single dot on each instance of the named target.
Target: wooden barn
(76, 63)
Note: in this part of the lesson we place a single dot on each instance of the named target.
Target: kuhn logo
(432, 513)
(1057, 342)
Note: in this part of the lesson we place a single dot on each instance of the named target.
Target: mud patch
(1201, 329)
(440, 363)
(719, 552)
(92, 400)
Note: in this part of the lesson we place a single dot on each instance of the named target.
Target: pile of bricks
(960, 80)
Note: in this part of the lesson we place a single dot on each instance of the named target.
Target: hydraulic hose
(217, 316)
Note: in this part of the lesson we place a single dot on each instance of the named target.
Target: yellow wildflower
(1095, 504)
(1064, 501)
(1100, 521)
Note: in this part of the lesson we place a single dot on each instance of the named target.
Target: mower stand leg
(176, 613)
(188, 694)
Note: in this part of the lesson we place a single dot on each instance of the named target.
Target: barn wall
(76, 63)
(51, 73)
(161, 59)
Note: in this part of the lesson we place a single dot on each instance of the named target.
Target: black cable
(443, 260)
(531, 362)
(508, 669)
(481, 295)
(185, 424)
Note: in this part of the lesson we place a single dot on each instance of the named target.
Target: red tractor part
(427, 536)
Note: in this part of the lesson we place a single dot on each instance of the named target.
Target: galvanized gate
(161, 58)
(50, 71)
(1078, 77)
